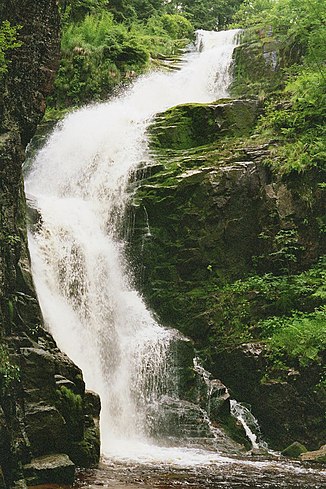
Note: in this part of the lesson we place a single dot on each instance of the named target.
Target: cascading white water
(249, 423)
(79, 182)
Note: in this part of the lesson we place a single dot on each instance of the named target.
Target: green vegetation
(8, 40)
(295, 114)
(9, 373)
(224, 288)
(286, 311)
(102, 47)
(70, 406)
(106, 43)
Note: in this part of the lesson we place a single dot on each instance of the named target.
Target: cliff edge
(48, 422)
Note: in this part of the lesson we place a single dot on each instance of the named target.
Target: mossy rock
(191, 125)
(54, 468)
(294, 450)
(256, 67)
(86, 453)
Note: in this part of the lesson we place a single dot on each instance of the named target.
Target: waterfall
(79, 183)
(250, 425)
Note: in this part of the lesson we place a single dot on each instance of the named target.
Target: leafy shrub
(301, 336)
(299, 122)
(98, 53)
(8, 40)
(259, 306)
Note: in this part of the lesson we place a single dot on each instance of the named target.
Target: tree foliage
(8, 40)
(99, 52)
(207, 14)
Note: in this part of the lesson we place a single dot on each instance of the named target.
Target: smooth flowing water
(79, 184)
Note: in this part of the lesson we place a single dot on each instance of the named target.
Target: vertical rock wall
(43, 405)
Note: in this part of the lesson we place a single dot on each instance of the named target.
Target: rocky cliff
(48, 422)
(225, 248)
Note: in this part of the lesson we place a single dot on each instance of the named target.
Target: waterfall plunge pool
(201, 470)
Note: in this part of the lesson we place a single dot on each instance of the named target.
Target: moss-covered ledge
(223, 248)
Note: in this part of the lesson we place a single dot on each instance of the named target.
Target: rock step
(52, 468)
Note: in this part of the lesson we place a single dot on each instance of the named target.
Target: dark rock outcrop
(209, 212)
(48, 468)
(34, 420)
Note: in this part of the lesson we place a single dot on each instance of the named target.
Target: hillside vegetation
(106, 43)
(294, 118)
(278, 297)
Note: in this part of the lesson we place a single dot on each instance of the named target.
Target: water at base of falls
(199, 471)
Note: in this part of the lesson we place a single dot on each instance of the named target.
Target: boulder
(190, 125)
(86, 453)
(294, 450)
(315, 456)
(92, 403)
(54, 468)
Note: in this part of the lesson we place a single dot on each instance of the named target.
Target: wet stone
(54, 468)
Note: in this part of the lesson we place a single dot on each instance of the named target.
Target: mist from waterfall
(79, 182)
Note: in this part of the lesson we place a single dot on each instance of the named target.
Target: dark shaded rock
(294, 450)
(86, 453)
(181, 419)
(46, 429)
(38, 368)
(293, 398)
(215, 214)
(2, 480)
(46, 469)
(92, 403)
(4, 444)
(30, 422)
(182, 353)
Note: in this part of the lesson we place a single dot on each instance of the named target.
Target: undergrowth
(99, 53)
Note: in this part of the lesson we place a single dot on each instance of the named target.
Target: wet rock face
(287, 409)
(199, 214)
(191, 125)
(37, 417)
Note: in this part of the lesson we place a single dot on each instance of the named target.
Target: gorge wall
(221, 242)
(48, 422)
